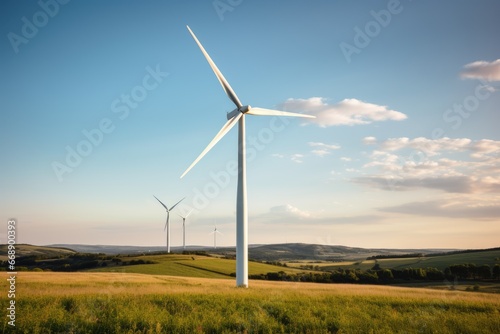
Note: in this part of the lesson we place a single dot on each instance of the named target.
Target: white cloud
(346, 159)
(320, 153)
(345, 112)
(430, 147)
(433, 147)
(322, 148)
(297, 158)
(289, 210)
(485, 147)
(369, 140)
(489, 88)
(484, 70)
(430, 165)
(291, 214)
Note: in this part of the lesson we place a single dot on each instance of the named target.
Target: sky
(104, 104)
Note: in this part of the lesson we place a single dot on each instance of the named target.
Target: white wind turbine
(167, 223)
(237, 116)
(215, 231)
(184, 229)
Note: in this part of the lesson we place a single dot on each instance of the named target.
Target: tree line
(387, 276)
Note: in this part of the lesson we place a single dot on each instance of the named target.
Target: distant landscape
(466, 269)
(288, 251)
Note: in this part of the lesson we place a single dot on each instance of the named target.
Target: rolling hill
(274, 252)
(42, 251)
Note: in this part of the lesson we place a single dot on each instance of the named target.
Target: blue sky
(404, 152)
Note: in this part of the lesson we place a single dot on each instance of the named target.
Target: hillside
(479, 257)
(274, 252)
(39, 251)
(189, 266)
(298, 251)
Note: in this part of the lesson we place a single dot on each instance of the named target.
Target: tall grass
(131, 303)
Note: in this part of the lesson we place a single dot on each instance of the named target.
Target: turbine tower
(215, 231)
(237, 116)
(167, 223)
(184, 229)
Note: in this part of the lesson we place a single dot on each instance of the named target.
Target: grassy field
(25, 250)
(192, 266)
(137, 303)
(439, 262)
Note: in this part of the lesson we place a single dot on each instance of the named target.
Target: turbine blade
(225, 85)
(225, 129)
(271, 112)
(176, 204)
(161, 202)
(189, 213)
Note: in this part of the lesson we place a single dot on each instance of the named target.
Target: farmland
(440, 262)
(92, 302)
(191, 266)
(195, 293)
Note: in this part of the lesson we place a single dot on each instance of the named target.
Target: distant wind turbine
(167, 223)
(184, 229)
(237, 116)
(215, 231)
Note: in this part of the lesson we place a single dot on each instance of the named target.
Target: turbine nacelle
(242, 109)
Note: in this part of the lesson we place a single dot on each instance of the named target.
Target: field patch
(440, 262)
(191, 266)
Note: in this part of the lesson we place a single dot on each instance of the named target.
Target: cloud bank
(461, 208)
(408, 164)
(345, 112)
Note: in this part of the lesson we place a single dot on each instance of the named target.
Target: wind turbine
(184, 229)
(167, 223)
(215, 231)
(237, 116)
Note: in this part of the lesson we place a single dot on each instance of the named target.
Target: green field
(137, 303)
(191, 266)
(439, 262)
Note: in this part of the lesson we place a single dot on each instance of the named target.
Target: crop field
(90, 302)
(439, 262)
(192, 266)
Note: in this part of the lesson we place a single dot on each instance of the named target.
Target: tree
(386, 275)
(460, 271)
(434, 274)
(484, 271)
(496, 271)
